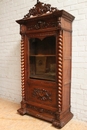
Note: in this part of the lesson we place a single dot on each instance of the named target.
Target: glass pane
(42, 58)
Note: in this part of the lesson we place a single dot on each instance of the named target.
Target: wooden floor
(11, 120)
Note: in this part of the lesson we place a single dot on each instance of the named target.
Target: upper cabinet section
(43, 16)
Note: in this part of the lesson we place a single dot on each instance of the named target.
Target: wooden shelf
(42, 55)
(45, 76)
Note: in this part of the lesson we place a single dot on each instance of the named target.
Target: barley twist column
(60, 69)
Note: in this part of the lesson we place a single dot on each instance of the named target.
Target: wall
(10, 78)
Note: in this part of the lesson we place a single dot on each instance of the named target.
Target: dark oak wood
(46, 54)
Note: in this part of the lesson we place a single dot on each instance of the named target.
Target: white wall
(10, 77)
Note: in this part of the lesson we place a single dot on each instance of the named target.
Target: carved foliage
(42, 24)
(42, 94)
(41, 110)
(40, 9)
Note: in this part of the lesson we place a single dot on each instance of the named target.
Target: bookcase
(46, 55)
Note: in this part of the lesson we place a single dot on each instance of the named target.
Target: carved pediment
(40, 9)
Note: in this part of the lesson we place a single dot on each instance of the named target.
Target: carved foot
(58, 124)
(22, 111)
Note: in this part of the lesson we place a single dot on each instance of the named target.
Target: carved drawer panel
(42, 95)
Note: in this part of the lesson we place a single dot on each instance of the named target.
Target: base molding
(59, 123)
(21, 111)
(57, 119)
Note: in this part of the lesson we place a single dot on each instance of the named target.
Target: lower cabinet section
(43, 101)
(48, 114)
(42, 94)
(41, 113)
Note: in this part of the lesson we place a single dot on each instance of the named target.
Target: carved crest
(40, 9)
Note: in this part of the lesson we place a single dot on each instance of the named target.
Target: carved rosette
(22, 68)
(60, 70)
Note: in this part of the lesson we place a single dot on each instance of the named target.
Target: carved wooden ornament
(40, 9)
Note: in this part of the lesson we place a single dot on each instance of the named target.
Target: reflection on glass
(42, 58)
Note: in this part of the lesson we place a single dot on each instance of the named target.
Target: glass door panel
(42, 58)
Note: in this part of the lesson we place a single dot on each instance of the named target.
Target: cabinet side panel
(66, 97)
(66, 24)
(66, 45)
(66, 71)
(67, 51)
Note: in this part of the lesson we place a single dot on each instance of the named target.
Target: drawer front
(42, 94)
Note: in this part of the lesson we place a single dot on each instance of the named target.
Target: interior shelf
(42, 55)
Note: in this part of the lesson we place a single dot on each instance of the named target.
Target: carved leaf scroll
(40, 9)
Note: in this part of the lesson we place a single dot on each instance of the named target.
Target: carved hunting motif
(42, 94)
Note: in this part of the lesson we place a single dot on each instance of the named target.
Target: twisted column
(60, 69)
(22, 68)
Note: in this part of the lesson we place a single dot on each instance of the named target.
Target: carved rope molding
(22, 68)
(42, 94)
(40, 9)
(60, 69)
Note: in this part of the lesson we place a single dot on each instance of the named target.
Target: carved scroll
(60, 70)
(40, 9)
